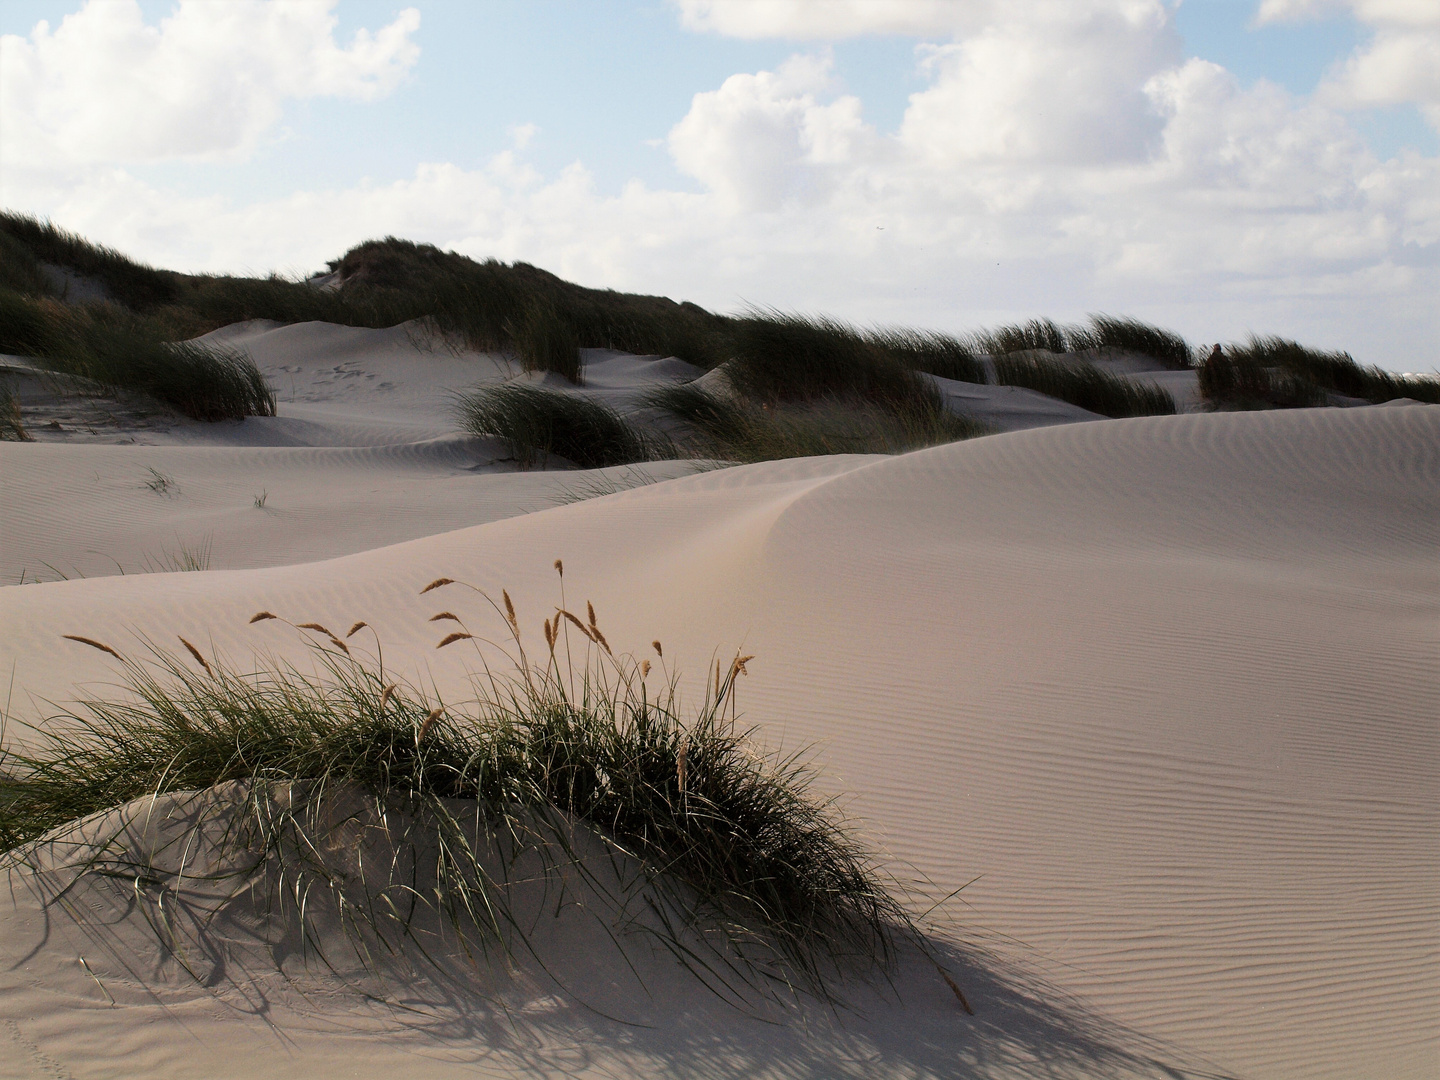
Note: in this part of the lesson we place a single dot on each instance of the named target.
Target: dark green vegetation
(11, 426)
(1115, 332)
(117, 349)
(539, 423)
(1084, 385)
(1271, 372)
(730, 843)
(796, 377)
(730, 429)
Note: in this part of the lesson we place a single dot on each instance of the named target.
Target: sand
(1163, 691)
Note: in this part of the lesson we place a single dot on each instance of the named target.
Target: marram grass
(756, 883)
(538, 423)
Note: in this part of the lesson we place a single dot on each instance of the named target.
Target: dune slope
(1164, 687)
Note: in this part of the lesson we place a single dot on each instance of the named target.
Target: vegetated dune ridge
(1167, 686)
(364, 452)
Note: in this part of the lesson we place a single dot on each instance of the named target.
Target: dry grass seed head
(316, 627)
(428, 724)
(261, 616)
(339, 644)
(385, 696)
(510, 611)
(452, 638)
(445, 615)
(590, 610)
(559, 567)
(436, 584)
(959, 994)
(578, 624)
(357, 628)
(658, 651)
(93, 644)
(644, 669)
(198, 658)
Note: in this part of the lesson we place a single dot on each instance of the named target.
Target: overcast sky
(1218, 166)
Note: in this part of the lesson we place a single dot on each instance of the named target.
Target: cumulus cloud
(206, 82)
(827, 20)
(1392, 12)
(762, 140)
(1399, 65)
(1054, 161)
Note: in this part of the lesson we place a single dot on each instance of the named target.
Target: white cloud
(1048, 90)
(826, 19)
(208, 81)
(832, 20)
(1399, 65)
(1374, 12)
(1053, 163)
(763, 139)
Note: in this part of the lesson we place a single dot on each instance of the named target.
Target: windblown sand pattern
(1162, 690)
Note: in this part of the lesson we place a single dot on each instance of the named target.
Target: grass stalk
(754, 881)
(538, 424)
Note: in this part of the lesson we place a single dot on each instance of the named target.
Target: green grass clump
(1085, 385)
(12, 427)
(779, 358)
(1104, 331)
(735, 430)
(19, 268)
(546, 341)
(120, 350)
(1123, 332)
(1042, 335)
(132, 283)
(1237, 380)
(1273, 372)
(932, 352)
(753, 879)
(539, 423)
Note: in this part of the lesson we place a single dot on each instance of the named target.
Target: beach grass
(12, 426)
(119, 350)
(1042, 335)
(539, 423)
(775, 358)
(1084, 385)
(730, 429)
(1274, 372)
(930, 351)
(1132, 335)
(756, 881)
(545, 340)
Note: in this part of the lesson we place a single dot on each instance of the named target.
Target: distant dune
(1159, 692)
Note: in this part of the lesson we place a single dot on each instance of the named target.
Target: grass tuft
(931, 351)
(778, 358)
(117, 349)
(12, 426)
(1085, 385)
(1042, 335)
(1273, 372)
(752, 881)
(539, 423)
(545, 341)
(735, 430)
(1123, 332)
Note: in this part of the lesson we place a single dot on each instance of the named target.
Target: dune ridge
(1165, 685)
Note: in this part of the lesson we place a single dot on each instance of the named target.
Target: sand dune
(1164, 688)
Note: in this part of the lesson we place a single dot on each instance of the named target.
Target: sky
(1220, 167)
